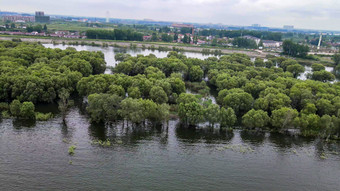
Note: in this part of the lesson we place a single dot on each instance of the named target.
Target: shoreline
(259, 54)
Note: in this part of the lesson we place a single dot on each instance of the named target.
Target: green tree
(117, 89)
(195, 74)
(154, 37)
(177, 85)
(103, 107)
(120, 57)
(288, 62)
(272, 101)
(227, 117)
(283, 118)
(259, 62)
(211, 114)
(27, 110)
(158, 95)
(322, 76)
(327, 126)
(295, 69)
(190, 113)
(132, 110)
(214, 42)
(64, 103)
(239, 102)
(296, 50)
(336, 59)
(309, 124)
(186, 98)
(309, 108)
(255, 119)
(134, 92)
(269, 64)
(153, 72)
(176, 37)
(156, 113)
(300, 94)
(317, 67)
(186, 39)
(166, 38)
(325, 107)
(244, 43)
(15, 108)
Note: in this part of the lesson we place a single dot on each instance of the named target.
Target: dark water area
(34, 156)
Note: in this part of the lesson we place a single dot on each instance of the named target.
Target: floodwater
(34, 156)
(110, 52)
(308, 70)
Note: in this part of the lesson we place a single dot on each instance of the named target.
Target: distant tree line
(244, 43)
(265, 35)
(117, 34)
(38, 28)
(293, 49)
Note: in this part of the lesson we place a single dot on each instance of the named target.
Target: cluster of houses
(59, 34)
(265, 43)
(225, 40)
(68, 34)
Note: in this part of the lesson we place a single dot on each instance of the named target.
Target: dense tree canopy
(30, 72)
(117, 34)
(296, 50)
(144, 89)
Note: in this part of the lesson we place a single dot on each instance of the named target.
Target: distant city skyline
(307, 14)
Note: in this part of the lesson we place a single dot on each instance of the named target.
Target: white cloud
(315, 14)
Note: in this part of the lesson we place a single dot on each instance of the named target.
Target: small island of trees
(148, 90)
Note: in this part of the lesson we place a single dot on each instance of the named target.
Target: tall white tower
(107, 16)
(320, 39)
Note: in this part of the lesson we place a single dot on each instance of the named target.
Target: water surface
(34, 156)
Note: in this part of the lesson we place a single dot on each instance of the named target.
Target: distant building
(17, 18)
(41, 18)
(257, 40)
(147, 38)
(271, 44)
(199, 42)
(256, 25)
(288, 27)
(62, 33)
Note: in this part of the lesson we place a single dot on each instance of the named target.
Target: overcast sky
(309, 14)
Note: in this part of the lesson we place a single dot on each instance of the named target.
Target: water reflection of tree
(20, 123)
(120, 50)
(255, 138)
(288, 141)
(128, 134)
(47, 108)
(98, 131)
(64, 130)
(195, 135)
(323, 146)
